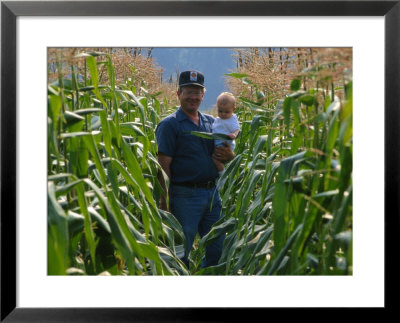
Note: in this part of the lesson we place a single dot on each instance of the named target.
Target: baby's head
(226, 105)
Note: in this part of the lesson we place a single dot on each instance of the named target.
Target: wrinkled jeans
(197, 209)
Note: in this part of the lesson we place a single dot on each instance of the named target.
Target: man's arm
(165, 163)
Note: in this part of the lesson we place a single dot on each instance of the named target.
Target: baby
(226, 123)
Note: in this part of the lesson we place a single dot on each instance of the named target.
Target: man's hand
(223, 154)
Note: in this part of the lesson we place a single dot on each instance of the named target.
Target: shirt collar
(180, 115)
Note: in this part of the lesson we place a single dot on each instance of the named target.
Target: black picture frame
(10, 10)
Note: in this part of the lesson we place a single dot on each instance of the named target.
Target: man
(187, 161)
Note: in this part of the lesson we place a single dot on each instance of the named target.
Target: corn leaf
(209, 135)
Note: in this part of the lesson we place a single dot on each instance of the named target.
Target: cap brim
(194, 84)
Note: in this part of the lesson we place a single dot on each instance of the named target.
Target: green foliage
(103, 188)
(295, 85)
(209, 135)
(287, 196)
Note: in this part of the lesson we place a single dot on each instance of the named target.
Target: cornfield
(287, 194)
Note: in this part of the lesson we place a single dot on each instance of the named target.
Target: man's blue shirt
(191, 155)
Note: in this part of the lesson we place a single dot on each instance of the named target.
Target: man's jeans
(197, 209)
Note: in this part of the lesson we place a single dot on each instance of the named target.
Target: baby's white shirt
(226, 126)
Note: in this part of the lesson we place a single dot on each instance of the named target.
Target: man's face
(190, 98)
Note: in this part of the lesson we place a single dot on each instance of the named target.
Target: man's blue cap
(195, 78)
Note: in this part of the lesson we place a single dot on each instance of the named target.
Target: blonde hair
(227, 97)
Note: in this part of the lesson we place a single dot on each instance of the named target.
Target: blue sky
(213, 62)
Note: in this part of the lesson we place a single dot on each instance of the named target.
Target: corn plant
(287, 195)
(102, 188)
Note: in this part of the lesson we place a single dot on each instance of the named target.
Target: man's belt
(206, 185)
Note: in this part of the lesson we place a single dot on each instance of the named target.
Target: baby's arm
(235, 127)
(234, 134)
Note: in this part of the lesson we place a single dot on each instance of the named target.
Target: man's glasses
(193, 93)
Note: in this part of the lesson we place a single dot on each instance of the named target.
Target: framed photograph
(29, 28)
